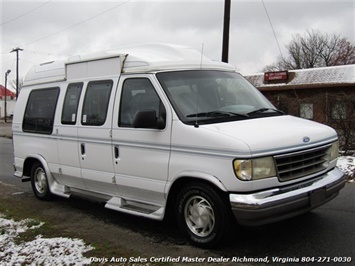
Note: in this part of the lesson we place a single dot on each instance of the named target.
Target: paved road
(328, 231)
(5, 129)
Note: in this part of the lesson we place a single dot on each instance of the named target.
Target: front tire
(203, 215)
(39, 182)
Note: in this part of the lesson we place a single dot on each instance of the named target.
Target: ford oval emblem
(306, 139)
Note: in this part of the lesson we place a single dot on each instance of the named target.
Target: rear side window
(96, 103)
(40, 110)
(71, 101)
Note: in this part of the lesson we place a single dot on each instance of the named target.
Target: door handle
(117, 153)
(82, 148)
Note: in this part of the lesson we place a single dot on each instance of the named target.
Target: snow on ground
(40, 251)
(347, 165)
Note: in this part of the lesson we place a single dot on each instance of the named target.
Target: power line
(24, 14)
(79, 23)
(72, 26)
(272, 27)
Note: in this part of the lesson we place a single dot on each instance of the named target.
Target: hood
(278, 134)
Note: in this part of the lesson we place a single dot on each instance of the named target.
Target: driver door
(141, 155)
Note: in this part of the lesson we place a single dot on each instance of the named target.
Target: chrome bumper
(285, 202)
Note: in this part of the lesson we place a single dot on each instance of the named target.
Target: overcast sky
(56, 29)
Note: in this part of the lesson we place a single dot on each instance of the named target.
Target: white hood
(276, 134)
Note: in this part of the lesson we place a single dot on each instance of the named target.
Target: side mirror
(148, 119)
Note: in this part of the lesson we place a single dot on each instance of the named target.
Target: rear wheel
(39, 182)
(203, 215)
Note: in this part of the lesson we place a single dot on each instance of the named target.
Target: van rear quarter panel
(25, 143)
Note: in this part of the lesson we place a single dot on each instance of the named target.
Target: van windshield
(212, 96)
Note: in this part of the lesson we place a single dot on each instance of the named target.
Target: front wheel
(203, 215)
(39, 182)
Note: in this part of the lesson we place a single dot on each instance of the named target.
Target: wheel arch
(53, 186)
(187, 178)
(31, 160)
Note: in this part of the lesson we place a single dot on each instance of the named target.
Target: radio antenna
(198, 91)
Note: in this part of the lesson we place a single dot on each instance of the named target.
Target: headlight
(333, 151)
(253, 169)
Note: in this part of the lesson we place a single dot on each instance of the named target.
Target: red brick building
(325, 95)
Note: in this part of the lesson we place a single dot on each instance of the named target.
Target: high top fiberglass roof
(131, 59)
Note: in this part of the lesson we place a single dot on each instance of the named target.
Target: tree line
(315, 49)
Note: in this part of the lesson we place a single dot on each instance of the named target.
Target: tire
(39, 182)
(203, 215)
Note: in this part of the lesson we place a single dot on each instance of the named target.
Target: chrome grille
(299, 164)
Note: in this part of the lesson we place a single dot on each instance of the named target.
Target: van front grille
(299, 164)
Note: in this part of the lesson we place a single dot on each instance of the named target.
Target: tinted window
(40, 110)
(138, 94)
(96, 103)
(71, 101)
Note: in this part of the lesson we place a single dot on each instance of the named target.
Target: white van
(154, 129)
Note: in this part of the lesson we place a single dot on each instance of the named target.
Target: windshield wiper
(217, 114)
(263, 110)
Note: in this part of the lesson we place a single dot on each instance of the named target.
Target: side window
(71, 101)
(96, 103)
(40, 111)
(138, 94)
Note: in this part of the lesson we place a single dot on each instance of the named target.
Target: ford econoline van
(157, 129)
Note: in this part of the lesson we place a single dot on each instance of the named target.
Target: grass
(11, 208)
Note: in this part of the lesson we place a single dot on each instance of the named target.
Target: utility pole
(17, 63)
(225, 45)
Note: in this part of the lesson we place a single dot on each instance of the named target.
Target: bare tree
(344, 54)
(340, 113)
(314, 49)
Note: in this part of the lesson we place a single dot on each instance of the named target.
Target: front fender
(196, 175)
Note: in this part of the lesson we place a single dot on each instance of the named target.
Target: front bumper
(281, 203)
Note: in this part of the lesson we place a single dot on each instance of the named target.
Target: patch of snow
(347, 165)
(40, 251)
